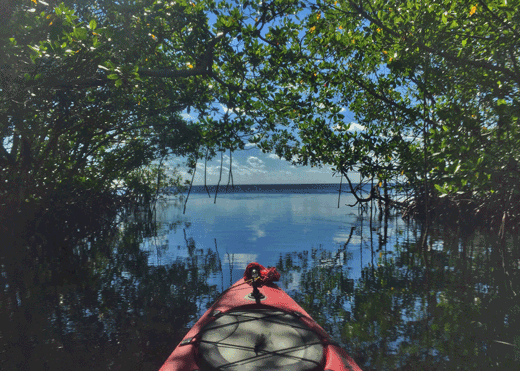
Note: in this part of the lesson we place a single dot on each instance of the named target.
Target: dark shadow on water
(77, 292)
(449, 306)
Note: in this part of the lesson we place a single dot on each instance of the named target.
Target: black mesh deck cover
(259, 339)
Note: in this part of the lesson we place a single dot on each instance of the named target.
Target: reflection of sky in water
(247, 227)
(266, 227)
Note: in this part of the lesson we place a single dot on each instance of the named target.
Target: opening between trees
(418, 97)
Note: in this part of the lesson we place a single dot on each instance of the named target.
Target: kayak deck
(244, 332)
(259, 339)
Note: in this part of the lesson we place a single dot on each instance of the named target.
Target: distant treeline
(274, 188)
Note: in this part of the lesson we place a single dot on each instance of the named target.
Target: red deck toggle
(266, 275)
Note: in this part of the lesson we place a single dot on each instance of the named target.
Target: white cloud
(352, 127)
(188, 117)
(254, 166)
(258, 232)
(225, 159)
(255, 162)
(214, 170)
(235, 110)
(322, 170)
(356, 127)
(295, 158)
(342, 237)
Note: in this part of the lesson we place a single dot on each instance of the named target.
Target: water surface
(120, 297)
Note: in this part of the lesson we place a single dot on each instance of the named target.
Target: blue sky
(251, 166)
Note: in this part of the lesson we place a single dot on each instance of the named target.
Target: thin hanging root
(191, 185)
(205, 171)
(230, 177)
(340, 183)
(220, 178)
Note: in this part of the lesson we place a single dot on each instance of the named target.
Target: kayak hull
(243, 332)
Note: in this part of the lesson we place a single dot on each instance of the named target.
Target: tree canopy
(92, 92)
(435, 84)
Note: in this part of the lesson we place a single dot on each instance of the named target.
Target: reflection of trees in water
(323, 286)
(443, 307)
(78, 299)
(89, 299)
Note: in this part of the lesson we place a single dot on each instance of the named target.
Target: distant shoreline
(272, 188)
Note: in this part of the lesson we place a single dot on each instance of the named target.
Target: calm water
(264, 223)
(121, 297)
(361, 274)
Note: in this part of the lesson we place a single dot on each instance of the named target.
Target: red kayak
(255, 325)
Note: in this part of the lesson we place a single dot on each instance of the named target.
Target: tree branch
(204, 68)
(374, 195)
(353, 191)
(460, 62)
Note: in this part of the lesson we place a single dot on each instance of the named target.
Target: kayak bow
(255, 325)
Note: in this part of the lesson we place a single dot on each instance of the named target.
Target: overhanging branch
(456, 60)
(374, 195)
(203, 68)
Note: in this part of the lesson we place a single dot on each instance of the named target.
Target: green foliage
(75, 112)
(435, 85)
(93, 91)
(432, 88)
(150, 182)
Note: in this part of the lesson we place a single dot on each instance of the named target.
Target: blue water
(261, 223)
(390, 316)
